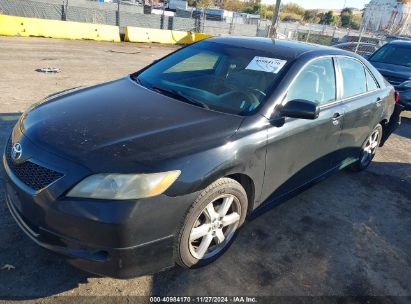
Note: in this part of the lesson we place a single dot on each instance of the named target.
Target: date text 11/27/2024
(204, 299)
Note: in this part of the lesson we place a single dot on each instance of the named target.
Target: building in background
(389, 16)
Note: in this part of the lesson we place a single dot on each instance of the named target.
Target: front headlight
(124, 186)
(406, 84)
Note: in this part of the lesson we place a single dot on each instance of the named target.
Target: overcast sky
(324, 4)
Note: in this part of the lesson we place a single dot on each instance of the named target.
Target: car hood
(392, 70)
(120, 123)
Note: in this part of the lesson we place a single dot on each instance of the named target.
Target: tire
(368, 150)
(202, 226)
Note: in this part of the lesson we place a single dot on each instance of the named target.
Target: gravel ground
(348, 235)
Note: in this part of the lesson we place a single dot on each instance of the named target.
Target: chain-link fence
(378, 22)
(128, 13)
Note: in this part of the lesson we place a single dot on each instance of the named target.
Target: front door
(302, 149)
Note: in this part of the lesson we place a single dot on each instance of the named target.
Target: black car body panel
(86, 126)
(124, 127)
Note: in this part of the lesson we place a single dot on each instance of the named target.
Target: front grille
(34, 176)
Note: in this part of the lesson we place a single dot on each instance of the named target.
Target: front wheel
(368, 150)
(211, 223)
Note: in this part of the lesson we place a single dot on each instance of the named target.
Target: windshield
(393, 54)
(217, 76)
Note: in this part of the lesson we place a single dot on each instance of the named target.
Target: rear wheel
(368, 150)
(211, 224)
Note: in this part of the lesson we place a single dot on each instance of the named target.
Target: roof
(286, 49)
(401, 42)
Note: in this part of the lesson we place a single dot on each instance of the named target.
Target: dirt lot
(349, 235)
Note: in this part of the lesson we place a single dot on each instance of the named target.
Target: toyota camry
(163, 166)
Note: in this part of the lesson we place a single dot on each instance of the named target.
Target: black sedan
(393, 61)
(163, 166)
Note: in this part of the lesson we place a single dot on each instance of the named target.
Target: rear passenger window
(354, 81)
(371, 83)
(315, 83)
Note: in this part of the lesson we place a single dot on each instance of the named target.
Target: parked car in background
(389, 39)
(163, 166)
(393, 61)
(361, 48)
(355, 38)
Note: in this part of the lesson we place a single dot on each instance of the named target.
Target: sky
(323, 4)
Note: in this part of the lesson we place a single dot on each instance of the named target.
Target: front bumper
(114, 262)
(112, 238)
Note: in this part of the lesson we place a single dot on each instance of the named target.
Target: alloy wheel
(215, 226)
(370, 147)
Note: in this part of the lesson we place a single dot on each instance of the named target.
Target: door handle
(336, 118)
(378, 102)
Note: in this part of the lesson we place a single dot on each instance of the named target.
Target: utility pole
(273, 28)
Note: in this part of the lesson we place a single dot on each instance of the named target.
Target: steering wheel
(253, 90)
(251, 101)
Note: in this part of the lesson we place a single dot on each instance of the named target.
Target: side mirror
(300, 108)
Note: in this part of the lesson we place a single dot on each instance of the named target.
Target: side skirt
(272, 202)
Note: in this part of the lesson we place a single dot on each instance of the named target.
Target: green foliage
(311, 16)
(233, 5)
(290, 17)
(292, 11)
(293, 8)
(267, 11)
(252, 7)
(349, 20)
(204, 3)
(328, 18)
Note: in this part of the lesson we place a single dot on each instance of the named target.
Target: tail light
(396, 96)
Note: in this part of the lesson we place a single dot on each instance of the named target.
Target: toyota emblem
(16, 151)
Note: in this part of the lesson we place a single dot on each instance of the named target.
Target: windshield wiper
(180, 96)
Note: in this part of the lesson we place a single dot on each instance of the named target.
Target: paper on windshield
(266, 64)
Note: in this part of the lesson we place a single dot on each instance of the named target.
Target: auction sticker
(266, 64)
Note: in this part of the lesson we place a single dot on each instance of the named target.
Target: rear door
(362, 102)
(302, 149)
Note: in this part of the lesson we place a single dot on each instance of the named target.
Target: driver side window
(315, 83)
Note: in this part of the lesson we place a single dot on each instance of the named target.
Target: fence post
(231, 28)
(64, 8)
(118, 13)
(308, 34)
(204, 20)
(297, 30)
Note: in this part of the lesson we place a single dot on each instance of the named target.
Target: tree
(328, 18)
(292, 12)
(204, 3)
(356, 22)
(267, 11)
(311, 16)
(233, 5)
(347, 17)
(293, 8)
(252, 7)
